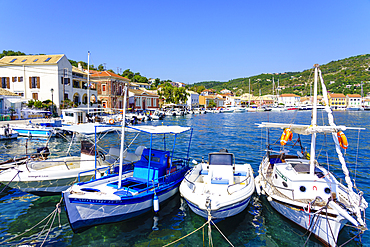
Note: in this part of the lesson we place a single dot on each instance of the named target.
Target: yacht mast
(122, 137)
(88, 83)
(314, 123)
(249, 103)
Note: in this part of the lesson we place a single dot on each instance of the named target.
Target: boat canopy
(89, 128)
(163, 129)
(307, 129)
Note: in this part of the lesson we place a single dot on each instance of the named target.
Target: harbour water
(258, 225)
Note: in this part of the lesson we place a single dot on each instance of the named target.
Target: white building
(192, 100)
(10, 103)
(353, 100)
(290, 99)
(41, 77)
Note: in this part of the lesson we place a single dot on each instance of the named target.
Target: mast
(314, 123)
(249, 103)
(273, 89)
(88, 83)
(122, 137)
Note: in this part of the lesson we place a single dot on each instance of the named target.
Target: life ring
(111, 121)
(286, 136)
(342, 140)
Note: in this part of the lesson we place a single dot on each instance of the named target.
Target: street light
(52, 102)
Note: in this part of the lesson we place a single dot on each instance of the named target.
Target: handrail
(238, 183)
(99, 168)
(190, 171)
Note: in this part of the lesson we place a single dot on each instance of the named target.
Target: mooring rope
(6, 186)
(187, 235)
(222, 234)
(53, 213)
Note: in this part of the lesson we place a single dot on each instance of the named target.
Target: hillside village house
(225, 91)
(192, 100)
(354, 100)
(110, 88)
(289, 99)
(41, 77)
(143, 100)
(207, 92)
(177, 84)
(337, 100)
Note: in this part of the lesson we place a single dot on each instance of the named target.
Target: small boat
(304, 191)
(133, 191)
(41, 176)
(7, 133)
(34, 130)
(218, 188)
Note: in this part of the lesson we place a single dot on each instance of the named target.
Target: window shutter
(30, 82)
(13, 79)
(38, 82)
(8, 83)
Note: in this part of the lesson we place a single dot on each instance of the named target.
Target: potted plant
(12, 111)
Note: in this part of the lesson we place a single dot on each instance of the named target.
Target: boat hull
(326, 229)
(85, 213)
(222, 213)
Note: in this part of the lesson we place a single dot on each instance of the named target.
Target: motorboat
(218, 188)
(7, 133)
(34, 130)
(303, 190)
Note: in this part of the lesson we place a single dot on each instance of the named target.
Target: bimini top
(89, 128)
(307, 129)
(162, 129)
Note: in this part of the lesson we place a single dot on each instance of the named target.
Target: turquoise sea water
(258, 225)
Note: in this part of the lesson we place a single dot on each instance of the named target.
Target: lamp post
(52, 102)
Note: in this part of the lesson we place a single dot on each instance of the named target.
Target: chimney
(80, 66)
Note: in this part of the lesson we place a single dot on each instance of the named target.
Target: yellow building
(337, 100)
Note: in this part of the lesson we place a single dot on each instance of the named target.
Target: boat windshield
(221, 159)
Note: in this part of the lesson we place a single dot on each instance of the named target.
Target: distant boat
(34, 130)
(7, 133)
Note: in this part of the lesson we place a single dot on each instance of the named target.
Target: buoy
(156, 203)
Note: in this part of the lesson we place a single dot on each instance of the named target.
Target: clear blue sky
(193, 40)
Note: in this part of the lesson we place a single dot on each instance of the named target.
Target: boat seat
(240, 173)
(219, 181)
(203, 172)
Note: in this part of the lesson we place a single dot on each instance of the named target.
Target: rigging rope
(340, 155)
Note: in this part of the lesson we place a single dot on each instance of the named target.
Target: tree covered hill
(337, 75)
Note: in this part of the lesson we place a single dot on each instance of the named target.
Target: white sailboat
(304, 191)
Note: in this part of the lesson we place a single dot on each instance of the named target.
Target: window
(104, 104)
(34, 82)
(35, 60)
(13, 60)
(24, 60)
(14, 79)
(20, 79)
(138, 101)
(21, 94)
(103, 87)
(149, 102)
(5, 82)
(47, 60)
(154, 102)
(35, 96)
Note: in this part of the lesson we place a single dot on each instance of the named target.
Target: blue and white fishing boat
(218, 188)
(147, 182)
(304, 191)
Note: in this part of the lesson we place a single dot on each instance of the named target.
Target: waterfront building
(143, 100)
(192, 100)
(109, 88)
(289, 99)
(353, 100)
(204, 101)
(337, 100)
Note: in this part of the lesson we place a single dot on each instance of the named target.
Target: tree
(180, 95)
(211, 104)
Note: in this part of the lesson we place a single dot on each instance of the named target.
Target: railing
(239, 183)
(92, 170)
(189, 182)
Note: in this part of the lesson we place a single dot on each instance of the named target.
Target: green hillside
(337, 75)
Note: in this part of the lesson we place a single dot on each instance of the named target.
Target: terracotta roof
(7, 93)
(289, 95)
(30, 60)
(98, 74)
(354, 96)
(336, 95)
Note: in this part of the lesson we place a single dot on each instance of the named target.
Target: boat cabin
(74, 116)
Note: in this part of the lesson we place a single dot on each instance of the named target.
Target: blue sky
(190, 41)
